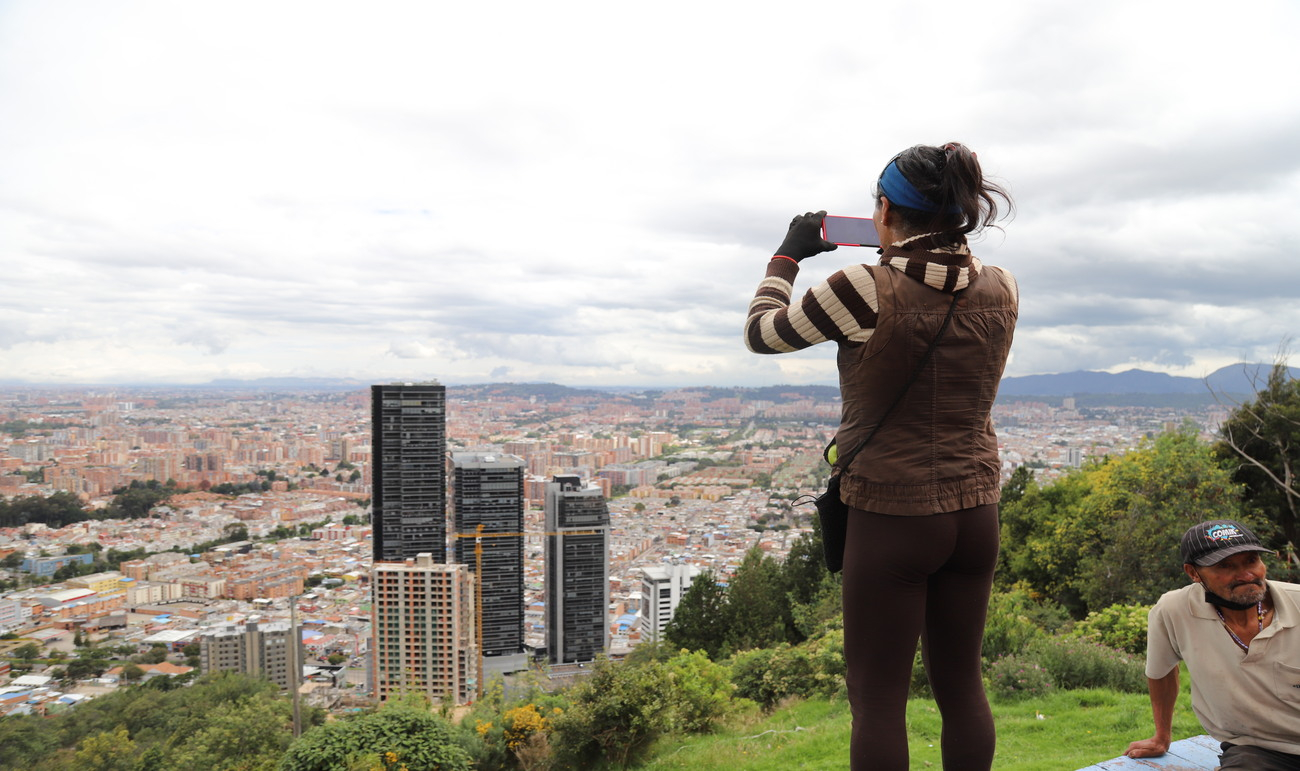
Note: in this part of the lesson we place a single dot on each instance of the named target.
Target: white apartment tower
(662, 588)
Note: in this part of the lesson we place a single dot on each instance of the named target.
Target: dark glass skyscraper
(408, 445)
(488, 490)
(577, 571)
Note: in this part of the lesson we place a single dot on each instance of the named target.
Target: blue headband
(901, 192)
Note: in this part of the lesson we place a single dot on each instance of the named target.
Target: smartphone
(850, 231)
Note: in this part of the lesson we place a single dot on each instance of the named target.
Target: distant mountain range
(1233, 380)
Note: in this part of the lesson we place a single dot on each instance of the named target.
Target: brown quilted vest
(937, 452)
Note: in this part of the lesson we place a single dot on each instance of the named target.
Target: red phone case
(861, 232)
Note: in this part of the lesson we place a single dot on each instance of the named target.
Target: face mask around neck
(1223, 602)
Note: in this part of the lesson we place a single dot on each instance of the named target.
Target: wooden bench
(1199, 753)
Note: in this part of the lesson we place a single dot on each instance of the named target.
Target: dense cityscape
(239, 516)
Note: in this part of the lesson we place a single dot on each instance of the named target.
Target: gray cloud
(556, 203)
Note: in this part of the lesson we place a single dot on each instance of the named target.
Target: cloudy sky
(587, 193)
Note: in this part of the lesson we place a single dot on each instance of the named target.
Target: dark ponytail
(950, 178)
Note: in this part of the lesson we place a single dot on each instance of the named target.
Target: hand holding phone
(850, 231)
(803, 239)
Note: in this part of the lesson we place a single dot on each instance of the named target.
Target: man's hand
(1147, 748)
(804, 238)
(1164, 693)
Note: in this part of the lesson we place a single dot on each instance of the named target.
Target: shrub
(919, 687)
(482, 735)
(701, 691)
(397, 734)
(1018, 677)
(770, 674)
(523, 722)
(1076, 663)
(1015, 620)
(615, 716)
(755, 676)
(1119, 626)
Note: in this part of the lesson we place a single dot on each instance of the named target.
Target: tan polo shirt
(1239, 697)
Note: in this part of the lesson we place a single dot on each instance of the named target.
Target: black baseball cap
(1210, 542)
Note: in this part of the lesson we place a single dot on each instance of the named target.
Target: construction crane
(478, 535)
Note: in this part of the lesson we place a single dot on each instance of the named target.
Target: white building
(13, 614)
(662, 588)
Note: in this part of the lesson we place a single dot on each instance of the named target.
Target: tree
(1015, 487)
(1109, 533)
(132, 673)
(701, 619)
(136, 500)
(25, 739)
(157, 654)
(812, 591)
(234, 736)
(81, 669)
(1150, 498)
(57, 510)
(757, 608)
(1262, 437)
(107, 751)
(28, 651)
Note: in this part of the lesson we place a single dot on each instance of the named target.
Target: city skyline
(516, 194)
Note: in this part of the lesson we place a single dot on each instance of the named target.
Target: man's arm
(1164, 694)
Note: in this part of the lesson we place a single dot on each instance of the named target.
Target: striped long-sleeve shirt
(844, 307)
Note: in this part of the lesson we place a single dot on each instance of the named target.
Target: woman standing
(922, 536)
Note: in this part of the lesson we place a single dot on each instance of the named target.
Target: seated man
(1237, 632)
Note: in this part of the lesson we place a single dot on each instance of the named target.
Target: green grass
(1076, 729)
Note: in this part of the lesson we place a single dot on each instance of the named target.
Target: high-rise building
(263, 650)
(423, 616)
(488, 491)
(409, 441)
(662, 587)
(577, 571)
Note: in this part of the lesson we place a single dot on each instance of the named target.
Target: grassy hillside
(1076, 729)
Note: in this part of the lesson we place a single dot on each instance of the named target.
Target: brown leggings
(925, 577)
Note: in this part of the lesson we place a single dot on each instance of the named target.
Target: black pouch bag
(833, 514)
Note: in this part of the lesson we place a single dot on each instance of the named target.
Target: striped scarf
(947, 269)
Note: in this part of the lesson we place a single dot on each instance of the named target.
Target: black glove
(804, 238)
